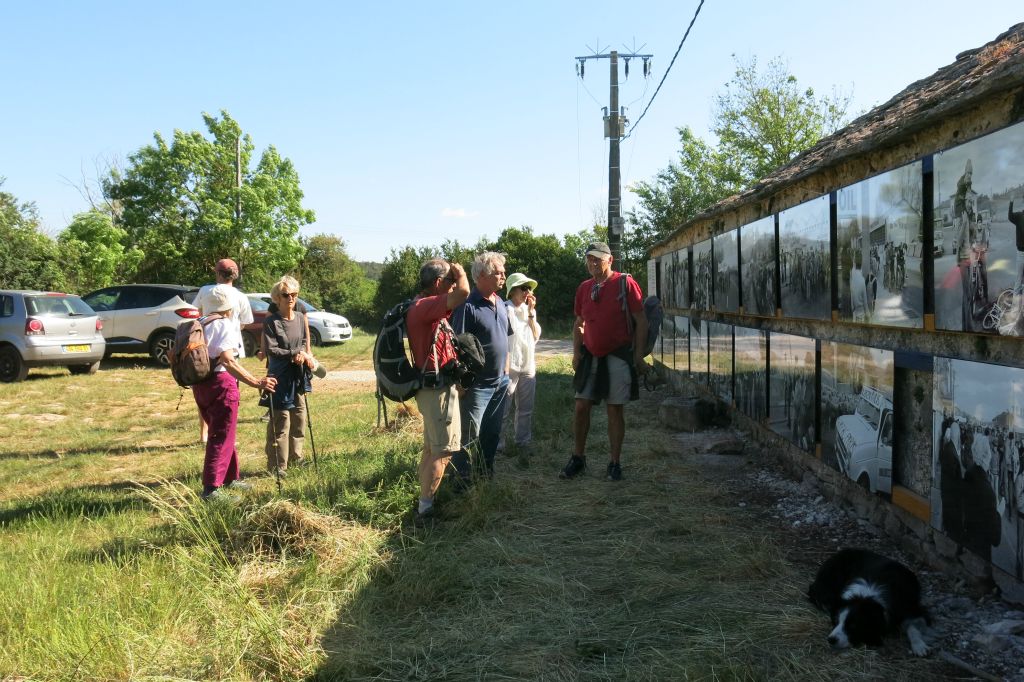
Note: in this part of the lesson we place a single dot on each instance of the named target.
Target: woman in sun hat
(522, 305)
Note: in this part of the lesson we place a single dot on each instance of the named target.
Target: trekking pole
(309, 423)
(277, 449)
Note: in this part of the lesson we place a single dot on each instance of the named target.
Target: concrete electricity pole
(615, 129)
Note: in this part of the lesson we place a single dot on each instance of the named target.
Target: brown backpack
(190, 357)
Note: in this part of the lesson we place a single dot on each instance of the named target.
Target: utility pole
(614, 129)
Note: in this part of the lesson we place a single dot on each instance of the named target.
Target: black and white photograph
(805, 262)
(682, 348)
(727, 272)
(681, 268)
(979, 235)
(666, 341)
(856, 413)
(667, 290)
(757, 263)
(978, 459)
(751, 372)
(880, 239)
(698, 338)
(793, 396)
(720, 360)
(700, 296)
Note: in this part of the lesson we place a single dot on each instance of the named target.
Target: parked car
(864, 442)
(142, 318)
(45, 328)
(324, 327)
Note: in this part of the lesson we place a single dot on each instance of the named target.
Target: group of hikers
(492, 411)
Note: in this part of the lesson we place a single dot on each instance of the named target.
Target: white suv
(40, 328)
(324, 327)
(142, 318)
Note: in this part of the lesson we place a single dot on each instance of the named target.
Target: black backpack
(397, 377)
(655, 313)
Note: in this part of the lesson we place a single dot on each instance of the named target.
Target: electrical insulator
(582, 66)
(627, 69)
(577, 68)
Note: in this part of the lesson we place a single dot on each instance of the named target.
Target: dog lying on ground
(867, 597)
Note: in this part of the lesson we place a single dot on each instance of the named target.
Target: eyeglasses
(292, 294)
(595, 292)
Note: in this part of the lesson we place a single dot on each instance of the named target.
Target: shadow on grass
(87, 501)
(116, 451)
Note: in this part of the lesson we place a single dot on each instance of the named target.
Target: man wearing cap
(226, 272)
(608, 339)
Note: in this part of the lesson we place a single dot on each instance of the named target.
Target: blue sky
(410, 123)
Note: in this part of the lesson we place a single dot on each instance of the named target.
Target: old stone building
(862, 308)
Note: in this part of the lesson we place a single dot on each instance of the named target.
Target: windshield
(868, 411)
(258, 305)
(310, 308)
(59, 305)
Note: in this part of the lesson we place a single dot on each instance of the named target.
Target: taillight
(34, 327)
(99, 324)
(187, 313)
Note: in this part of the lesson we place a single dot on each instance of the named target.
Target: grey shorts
(619, 381)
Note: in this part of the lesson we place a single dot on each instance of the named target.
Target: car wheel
(160, 348)
(864, 482)
(84, 369)
(249, 344)
(12, 367)
(314, 337)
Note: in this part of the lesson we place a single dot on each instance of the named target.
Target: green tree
(557, 267)
(28, 258)
(330, 278)
(93, 254)
(177, 203)
(762, 120)
(399, 277)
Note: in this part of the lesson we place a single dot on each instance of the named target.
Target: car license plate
(80, 348)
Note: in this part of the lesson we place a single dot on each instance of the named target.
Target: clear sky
(410, 122)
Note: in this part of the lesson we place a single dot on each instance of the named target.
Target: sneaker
(575, 466)
(238, 484)
(614, 471)
(218, 496)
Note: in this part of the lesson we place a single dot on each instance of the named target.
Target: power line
(633, 127)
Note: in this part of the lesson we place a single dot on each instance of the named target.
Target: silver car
(45, 328)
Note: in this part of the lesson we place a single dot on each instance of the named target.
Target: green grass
(113, 570)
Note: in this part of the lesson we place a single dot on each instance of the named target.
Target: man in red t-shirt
(443, 286)
(608, 340)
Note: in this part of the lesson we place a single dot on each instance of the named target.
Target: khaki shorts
(619, 381)
(442, 425)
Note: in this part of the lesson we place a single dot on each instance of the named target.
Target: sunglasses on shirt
(595, 292)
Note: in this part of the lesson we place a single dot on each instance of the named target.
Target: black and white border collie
(868, 596)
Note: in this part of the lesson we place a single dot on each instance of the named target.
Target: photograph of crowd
(757, 263)
(681, 283)
(720, 360)
(978, 459)
(681, 361)
(805, 260)
(751, 373)
(979, 234)
(668, 289)
(792, 392)
(727, 272)
(879, 243)
(702, 273)
(698, 338)
(856, 413)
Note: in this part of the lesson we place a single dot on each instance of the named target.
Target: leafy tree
(399, 277)
(333, 280)
(93, 254)
(557, 268)
(762, 121)
(28, 258)
(177, 203)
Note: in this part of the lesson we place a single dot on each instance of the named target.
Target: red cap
(227, 265)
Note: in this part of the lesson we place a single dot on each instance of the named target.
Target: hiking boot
(575, 466)
(238, 484)
(614, 471)
(218, 496)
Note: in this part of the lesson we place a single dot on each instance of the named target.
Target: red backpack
(190, 356)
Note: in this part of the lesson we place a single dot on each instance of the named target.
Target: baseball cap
(226, 265)
(599, 250)
(518, 279)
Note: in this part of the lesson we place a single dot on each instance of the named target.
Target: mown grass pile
(113, 569)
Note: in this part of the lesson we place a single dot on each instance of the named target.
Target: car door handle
(152, 313)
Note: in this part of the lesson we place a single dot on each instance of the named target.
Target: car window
(56, 306)
(6, 306)
(310, 308)
(144, 297)
(102, 300)
(258, 305)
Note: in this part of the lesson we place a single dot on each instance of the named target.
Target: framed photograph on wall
(667, 291)
(682, 349)
(793, 393)
(979, 234)
(720, 360)
(978, 459)
(751, 372)
(757, 263)
(681, 266)
(856, 413)
(727, 272)
(666, 341)
(698, 351)
(700, 297)
(805, 261)
(880, 255)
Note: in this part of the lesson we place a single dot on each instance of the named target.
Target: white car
(142, 318)
(324, 327)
